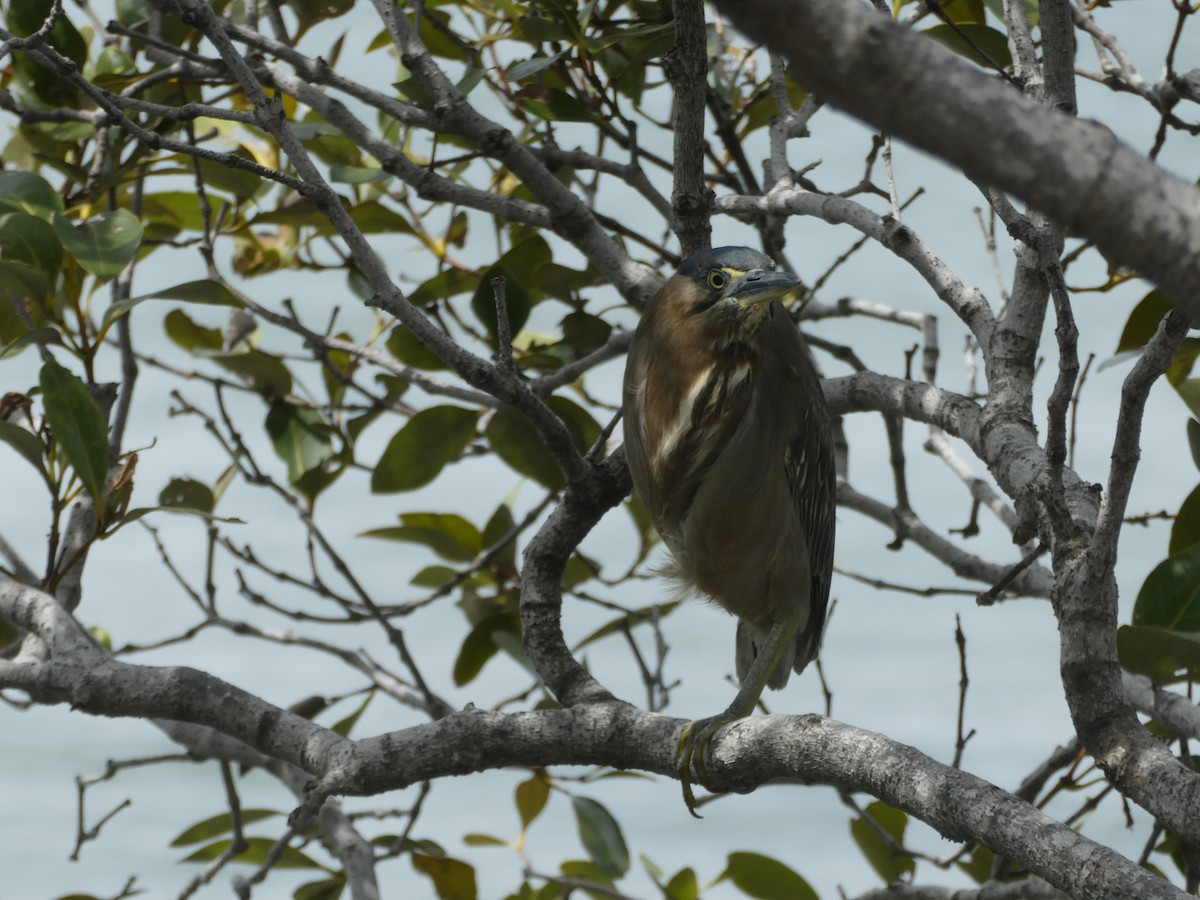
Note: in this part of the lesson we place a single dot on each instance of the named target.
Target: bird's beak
(762, 286)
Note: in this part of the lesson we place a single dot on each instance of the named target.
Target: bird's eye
(717, 280)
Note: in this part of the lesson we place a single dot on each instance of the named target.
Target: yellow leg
(693, 742)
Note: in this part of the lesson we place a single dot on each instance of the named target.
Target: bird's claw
(693, 743)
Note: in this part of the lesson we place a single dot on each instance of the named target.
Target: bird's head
(725, 293)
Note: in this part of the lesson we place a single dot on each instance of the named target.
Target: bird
(730, 447)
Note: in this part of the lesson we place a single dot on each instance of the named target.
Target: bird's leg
(693, 742)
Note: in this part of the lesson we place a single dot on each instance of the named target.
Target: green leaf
(418, 451)
(601, 836)
(29, 239)
(453, 879)
(255, 854)
(206, 291)
(1143, 321)
(28, 193)
(497, 528)
(979, 864)
(301, 439)
(518, 443)
(765, 878)
(449, 535)
(682, 886)
(516, 300)
(1185, 531)
(24, 279)
(325, 889)
(344, 726)
(1189, 392)
(25, 442)
(1161, 655)
(482, 643)
(1193, 435)
(888, 865)
(191, 337)
(407, 347)
(629, 620)
(344, 174)
(218, 825)
(475, 839)
(264, 373)
(531, 797)
(518, 72)
(104, 244)
(187, 493)
(988, 39)
(1170, 595)
(583, 332)
(77, 425)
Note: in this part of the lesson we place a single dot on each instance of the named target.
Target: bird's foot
(693, 743)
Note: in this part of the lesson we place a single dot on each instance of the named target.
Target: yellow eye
(717, 280)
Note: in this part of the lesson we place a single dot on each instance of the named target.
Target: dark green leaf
(264, 373)
(344, 726)
(1183, 362)
(418, 451)
(255, 854)
(481, 644)
(584, 333)
(28, 239)
(987, 39)
(518, 72)
(191, 337)
(104, 244)
(28, 193)
(765, 878)
(187, 493)
(325, 889)
(516, 300)
(24, 279)
(601, 836)
(682, 886)
(889, 866)
(25, 442)
(979, 864)
(449, 535)
(1193, 435)
(475, 839)
(1189, 392)
(1185, 531)
(375, 218)
(453, 879)
(407, 347)
(205, 291)
(1170, 595)
(442, 286)
(584, 870)
(77, 425)
(498, 527)
(301, 439)
(1161, 655)
(1143, 321)
(518, 443)
(629, 620)
(531, 797)
(218, 825)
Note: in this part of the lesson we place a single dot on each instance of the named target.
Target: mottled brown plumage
(731, 450)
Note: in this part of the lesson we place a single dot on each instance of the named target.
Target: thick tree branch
(1076, 171)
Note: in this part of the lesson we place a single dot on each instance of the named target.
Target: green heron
(731, 450)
